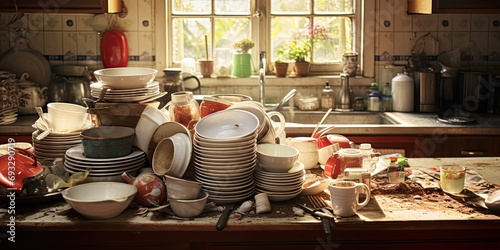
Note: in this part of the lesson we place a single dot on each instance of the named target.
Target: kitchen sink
(335, 118)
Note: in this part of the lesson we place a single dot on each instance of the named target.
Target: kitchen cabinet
(453, 6)
(61, 6)
(458, 146)
(385, 143)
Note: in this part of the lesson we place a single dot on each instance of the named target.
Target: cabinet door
(388, 144)
(61, 6)
(453, 6)
(458, 146)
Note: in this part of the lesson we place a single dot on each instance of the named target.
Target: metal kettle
(70, 83)
(175, 82)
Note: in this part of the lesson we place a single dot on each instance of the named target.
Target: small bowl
(189, 208)
(125, 77)
(182, 189)
(66, 117)
(107, 141)
(172, 155)
(100, 200)
(276, 157)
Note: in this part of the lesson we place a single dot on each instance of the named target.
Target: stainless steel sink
(335, 118)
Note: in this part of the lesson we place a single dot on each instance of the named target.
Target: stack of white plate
(224, 149)
(126, 95)
(8, 115)
(280, 186)
(103, 169)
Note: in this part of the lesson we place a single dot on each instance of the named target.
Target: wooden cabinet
(61, 6)
(388, 144)
(453, 6)
(457, 146)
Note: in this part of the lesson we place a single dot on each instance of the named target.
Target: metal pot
(474, 91)
(70, 84)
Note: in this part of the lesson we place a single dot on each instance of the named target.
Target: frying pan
(114, 49)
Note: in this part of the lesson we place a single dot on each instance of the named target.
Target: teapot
(31, 95)
(149, 187)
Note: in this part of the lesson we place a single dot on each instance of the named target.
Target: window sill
(272, 80)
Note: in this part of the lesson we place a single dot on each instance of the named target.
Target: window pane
(188, 37)
(232, 7)
(181, 7)
(285, 30)
(335, 36)
(333, 6)
(228, 30)
(290, 6)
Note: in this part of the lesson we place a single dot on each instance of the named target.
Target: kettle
(70, 84)
(175, 82)
(31, 95)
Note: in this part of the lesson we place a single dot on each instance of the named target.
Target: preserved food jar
(184, 109)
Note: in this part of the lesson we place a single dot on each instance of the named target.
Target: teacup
(272, 130)
(344, 196)
(308, 148)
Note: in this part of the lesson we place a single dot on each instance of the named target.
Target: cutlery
(222, 221)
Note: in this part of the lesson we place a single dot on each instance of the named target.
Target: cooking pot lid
(27, 61)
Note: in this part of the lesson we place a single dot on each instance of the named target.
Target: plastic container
(327, 97)
(375, 98)
(402, 93)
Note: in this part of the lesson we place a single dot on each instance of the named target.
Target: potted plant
(280, 68)
(298, 51)
(242, 60)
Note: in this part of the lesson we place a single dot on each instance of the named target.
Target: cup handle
(367, 198)
(281, 128)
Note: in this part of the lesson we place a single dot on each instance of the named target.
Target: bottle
(403, 89)
(395, 171)
(386, 98)
(327, 97)
(366, 151)
(374, 98)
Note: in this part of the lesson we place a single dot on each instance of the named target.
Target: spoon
(321, 122)
(47, 123)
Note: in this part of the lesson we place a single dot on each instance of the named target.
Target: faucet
(262, 84)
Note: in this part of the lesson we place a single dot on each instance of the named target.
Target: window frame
(365, 25)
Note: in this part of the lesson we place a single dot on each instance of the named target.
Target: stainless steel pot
(474, 91)
(70, 83)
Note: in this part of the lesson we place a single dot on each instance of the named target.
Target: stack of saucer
(224, 148)
(8, 116)
(103, 169)
(280, 186)
(126, 95)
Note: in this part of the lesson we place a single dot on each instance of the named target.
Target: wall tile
(445, 41)
(445, 22)
(494, 22)
(36, 42)
(460, 39)
(87, 44)
(386, 46)
(35, 22)
(70, 47)
(53, 43)
(145, 19)
(130, 22)
(494, 45)
(69, 22)
(52, 22)
(425, 23)
(133, 42)
(386, 15)
(479, 22)
(84, 22)
(145, 49)
(402, 21)
(461, 22)
(404, 43)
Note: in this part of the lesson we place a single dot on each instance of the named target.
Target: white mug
(345, 195)
(273, 132)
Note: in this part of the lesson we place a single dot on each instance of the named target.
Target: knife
(315, 213)
(222, 221)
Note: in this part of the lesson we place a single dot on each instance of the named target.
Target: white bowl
(150, 120)
(125, 77)
(310, 159)
(172, 156)
(66, 117)
(276, 157)
(227, 124)
(189, 208)
(178, 188)
(100, 200)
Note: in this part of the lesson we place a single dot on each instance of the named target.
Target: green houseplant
(299, 52)
(242, 60)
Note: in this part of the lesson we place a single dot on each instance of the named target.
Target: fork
(318, 203)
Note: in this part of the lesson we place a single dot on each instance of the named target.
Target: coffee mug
(272, 130)
(344, 196)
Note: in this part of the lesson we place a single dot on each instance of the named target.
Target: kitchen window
(336, 25)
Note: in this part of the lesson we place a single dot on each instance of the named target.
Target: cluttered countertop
(406, 206)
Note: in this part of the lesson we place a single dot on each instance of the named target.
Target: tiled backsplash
(71, 38)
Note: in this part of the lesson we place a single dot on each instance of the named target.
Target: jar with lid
(395, 171)
(359, 103)
(184, 109)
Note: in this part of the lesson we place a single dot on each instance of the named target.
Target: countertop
(429, 220)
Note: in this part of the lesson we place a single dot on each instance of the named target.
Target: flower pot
(301, 68)
(281, 69)
(242, 65)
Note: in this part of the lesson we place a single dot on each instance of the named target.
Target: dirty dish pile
(100, 200)
(280, 186)
(224, 148)
(125, 95)
(103, 169)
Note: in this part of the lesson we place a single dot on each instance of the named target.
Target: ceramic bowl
(66, 117)
(100, 200)
(172, 156)
(276, 157)
(227, 124)
(125, 77)
(182, 189)
(189, 208)
(151, 119)
(107, 141)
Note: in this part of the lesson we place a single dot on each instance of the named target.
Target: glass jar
(359, 104)
(184, 109)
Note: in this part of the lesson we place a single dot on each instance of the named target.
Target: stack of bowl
(279, 174)
(224, 148)
(185, 196)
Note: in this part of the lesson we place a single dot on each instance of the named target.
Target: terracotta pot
(281, 69)
(302, 68)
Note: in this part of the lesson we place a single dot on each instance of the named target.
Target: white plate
(77, 153)
(228, 199)
(108, 171)
(117, 164)
(281, 197)
(227, 125)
